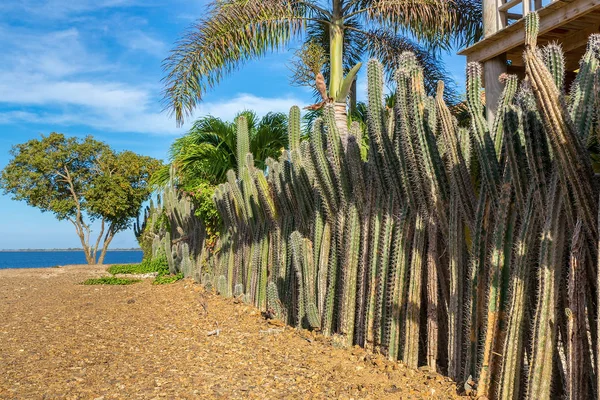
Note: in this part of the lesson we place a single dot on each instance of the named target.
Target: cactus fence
(473, 251)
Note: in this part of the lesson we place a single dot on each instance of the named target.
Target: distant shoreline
(54, 250)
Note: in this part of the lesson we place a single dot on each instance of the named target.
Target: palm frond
(468, 21)
(432, 21)
(233, 32)
(161, 177)
(206, 162)
(269, 138)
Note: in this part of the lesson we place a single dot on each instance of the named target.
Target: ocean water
(43, 259)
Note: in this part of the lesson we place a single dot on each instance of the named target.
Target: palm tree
(208, 150)
(236, 31)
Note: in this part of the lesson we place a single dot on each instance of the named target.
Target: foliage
(221, 41)
(146, 266)
(158, 264)
(207, 151)
(167, 279)
(307, 64)
(80, 180)
(206, 210)
(110, 280)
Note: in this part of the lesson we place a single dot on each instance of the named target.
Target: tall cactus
(514, 344)
(575, 165)
(413, 311)
(471, 250)
(545, 325)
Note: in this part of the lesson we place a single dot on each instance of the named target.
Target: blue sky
(84, 67)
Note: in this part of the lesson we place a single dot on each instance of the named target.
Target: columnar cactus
(470, 250)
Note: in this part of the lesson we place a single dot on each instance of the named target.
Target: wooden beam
(576, 40)
(490, 17)
(551, 17)
(507, 6)
(569, 42)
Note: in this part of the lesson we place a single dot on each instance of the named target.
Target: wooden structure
(568, 22)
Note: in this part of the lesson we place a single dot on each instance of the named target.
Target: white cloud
(141, 41)
(66, 77)
(227, 109)
(141, 117)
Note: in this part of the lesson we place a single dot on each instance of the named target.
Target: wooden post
(493, 21)
(492, 69)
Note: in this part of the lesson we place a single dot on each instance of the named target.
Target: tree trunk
(341, 121)
(89, 258)
(336, 53)
(107, 240)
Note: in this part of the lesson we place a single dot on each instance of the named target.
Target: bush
(147, 266)
(158, 265)
(166, 279)
(110, 280)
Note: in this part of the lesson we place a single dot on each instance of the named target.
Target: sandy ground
(63, 340)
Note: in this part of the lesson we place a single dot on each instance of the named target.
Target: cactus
(222, 285)
(575, 165)
(545, 324)
(457, 272)
(469, 250)
(294, 128)
(498, 263)
(413, 304)
(432, 297)
(554, 59)
(351, 259)
(401, 260)
(581, 104)
(510, 376)
(577, 349)
(484, 146)
(273, 302)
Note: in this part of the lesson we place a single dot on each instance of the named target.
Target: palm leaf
(233, 32)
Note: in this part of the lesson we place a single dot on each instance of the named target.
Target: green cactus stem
(545, 324)
(413, 306)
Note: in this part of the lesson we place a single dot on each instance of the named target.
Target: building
(567, 22)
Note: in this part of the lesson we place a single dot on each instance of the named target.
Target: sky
(93, 67)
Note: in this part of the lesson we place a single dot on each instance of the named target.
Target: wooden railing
(505, 6)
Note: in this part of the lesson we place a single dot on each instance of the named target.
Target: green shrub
(166, 279)
(158, 265)
(147, 266)
(110, 280)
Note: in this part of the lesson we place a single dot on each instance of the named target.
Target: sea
(45, 259)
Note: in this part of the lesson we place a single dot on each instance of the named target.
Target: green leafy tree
(233, 32)
(208, 150)
(81, 181)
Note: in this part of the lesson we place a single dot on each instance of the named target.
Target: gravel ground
(63, 340)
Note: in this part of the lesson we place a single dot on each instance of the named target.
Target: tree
(208, 150)
(236, 31)
(81, 181)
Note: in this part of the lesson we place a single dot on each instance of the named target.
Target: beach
(61, 339)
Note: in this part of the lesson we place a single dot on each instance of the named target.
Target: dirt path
(59, 339)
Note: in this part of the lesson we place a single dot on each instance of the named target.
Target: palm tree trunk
(336, 51)
(341, 121)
